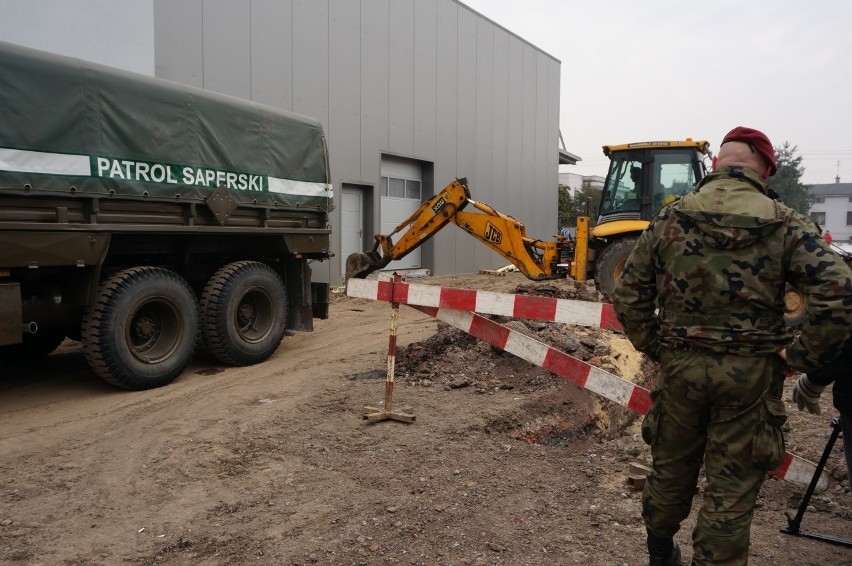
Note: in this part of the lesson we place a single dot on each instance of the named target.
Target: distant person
(828, 237)
(703, 294)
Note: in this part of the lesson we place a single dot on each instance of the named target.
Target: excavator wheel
(610, 264)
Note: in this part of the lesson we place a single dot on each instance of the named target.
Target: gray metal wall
(425, 79)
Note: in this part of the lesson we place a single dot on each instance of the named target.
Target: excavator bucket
(359, 266)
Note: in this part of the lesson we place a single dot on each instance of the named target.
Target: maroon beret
(758, 142)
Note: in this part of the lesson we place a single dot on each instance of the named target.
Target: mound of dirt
(453, 359)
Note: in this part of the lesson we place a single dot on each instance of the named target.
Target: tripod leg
(793, 524)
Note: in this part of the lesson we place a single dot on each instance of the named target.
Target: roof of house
(832, 190)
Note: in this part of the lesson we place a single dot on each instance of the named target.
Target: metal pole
(387, 413)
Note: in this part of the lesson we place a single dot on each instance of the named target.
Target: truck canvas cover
(70, 125)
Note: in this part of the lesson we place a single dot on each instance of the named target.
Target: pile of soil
(453, 359)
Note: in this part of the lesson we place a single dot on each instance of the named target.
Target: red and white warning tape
(583, 313)
(458, 308)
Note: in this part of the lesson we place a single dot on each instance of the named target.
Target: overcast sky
(659, 69)
(632, 70)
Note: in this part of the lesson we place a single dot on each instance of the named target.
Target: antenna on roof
(837, 179)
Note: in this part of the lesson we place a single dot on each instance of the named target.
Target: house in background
(575, 181)
(832, 209)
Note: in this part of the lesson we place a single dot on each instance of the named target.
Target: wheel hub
(246, 314)
(145, 327)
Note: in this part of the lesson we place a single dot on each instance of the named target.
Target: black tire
(33, 347)
(610, 264)
(244, 313)
(143, 328)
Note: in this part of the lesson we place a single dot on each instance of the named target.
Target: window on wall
(818, 217)
(819, 199)
(396, 187)
(849, 218)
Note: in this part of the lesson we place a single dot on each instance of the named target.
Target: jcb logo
(492, 234)
(439, 205)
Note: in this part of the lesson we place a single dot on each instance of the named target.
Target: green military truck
(144, 218)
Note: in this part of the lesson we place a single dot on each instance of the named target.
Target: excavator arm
(536, 259)
(430, 217)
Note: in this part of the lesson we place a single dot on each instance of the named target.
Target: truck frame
(144, 217)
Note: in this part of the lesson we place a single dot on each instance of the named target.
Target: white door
(401, 195)
(351, 224)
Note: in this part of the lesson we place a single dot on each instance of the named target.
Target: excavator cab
(642, 178)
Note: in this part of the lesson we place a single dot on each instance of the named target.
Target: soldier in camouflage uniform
(702, 293)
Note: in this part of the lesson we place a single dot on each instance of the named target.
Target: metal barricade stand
(374, 414)
(794, 523)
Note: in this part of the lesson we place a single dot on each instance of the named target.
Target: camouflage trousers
(725, 411)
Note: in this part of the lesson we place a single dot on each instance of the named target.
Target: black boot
(663, 551)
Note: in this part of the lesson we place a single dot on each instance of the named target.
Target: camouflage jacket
(710, 273)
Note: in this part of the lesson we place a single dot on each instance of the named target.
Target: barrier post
(387, 413)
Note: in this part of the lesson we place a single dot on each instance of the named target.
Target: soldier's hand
(786, 370)
(806, 394)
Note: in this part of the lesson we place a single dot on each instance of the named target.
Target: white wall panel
(515, 139)
(545, 143)
(528, 135)
(272, 52)
(465, 246)
(425, 78)
(227, 46)
(344, 92)
(446, 159)
(374, 85)
(500, 133)
(178, 52)
(484, 119)
(310, 58)
(401, 77)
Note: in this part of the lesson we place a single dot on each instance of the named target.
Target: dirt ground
(505, 463)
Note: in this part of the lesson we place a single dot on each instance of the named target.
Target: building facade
(832, 210)
(412, 94)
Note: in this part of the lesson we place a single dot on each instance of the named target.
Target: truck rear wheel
(610, 264)
(143, 328)
(244, 313)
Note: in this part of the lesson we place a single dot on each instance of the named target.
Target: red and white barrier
(585, 375)
(583, 313)
(459, 308)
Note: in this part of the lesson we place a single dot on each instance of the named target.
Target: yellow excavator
(641, 178)
(505, 235)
